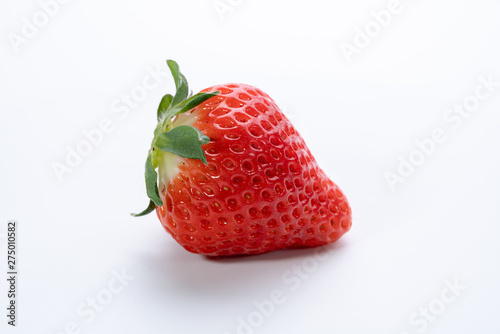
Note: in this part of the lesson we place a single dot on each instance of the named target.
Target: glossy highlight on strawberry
(257, 188)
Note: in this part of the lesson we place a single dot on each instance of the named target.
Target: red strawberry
(235, 177)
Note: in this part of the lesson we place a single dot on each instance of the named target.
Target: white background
(441, 224)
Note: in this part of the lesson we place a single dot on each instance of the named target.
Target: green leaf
(148, 210)
(152, 182)
(176, 73)
(184, 141)
(164, 105)
(190, 103)
(202, 139)
(181, 84)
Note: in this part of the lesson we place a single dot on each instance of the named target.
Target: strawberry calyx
(170, 140)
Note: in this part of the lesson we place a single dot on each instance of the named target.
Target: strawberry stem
(183, 140)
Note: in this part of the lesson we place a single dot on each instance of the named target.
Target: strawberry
(235, 177)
